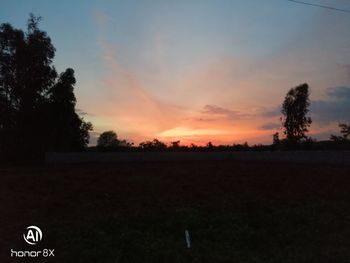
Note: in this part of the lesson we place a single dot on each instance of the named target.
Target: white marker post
(188, 238)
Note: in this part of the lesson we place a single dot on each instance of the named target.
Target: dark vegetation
(235, 211)
(37, 106)
(294, 109)
(339, 144)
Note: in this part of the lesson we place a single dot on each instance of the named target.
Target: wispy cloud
(334, 108)
(102, 19)
(128, 106)
(326, 113)
(270, 126)
(153, 89)
(227, 113)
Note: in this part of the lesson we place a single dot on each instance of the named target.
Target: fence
(328, 157)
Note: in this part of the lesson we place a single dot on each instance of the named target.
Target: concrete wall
(329, 157)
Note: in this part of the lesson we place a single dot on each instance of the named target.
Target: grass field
(138, 212)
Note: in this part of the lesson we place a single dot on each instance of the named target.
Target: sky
(198, 70)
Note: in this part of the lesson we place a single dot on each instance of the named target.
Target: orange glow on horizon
(223, 99)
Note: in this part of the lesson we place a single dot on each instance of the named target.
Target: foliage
(37, 108)
(276, 138)
(294, 109)
(345, 133)
(209, 145)
(69, 130)
(107, 139)
(175, 144)
(153, 145)
(157, 145)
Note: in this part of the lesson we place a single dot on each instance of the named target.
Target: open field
(138, 212)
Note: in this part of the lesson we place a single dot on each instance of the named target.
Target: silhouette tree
(107, 140)
(294, 110)
(175, 144)
(209, 145)
(153, 145)
(125, 144)
(26, 79)
(70, 131)
(344, 130)
(276, 138)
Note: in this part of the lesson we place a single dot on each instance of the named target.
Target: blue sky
(163, 68)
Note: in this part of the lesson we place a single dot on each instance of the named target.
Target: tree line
(295, 124)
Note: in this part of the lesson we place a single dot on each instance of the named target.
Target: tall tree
(108, 140)
(294, 109)
(68, 129)
(27, 77)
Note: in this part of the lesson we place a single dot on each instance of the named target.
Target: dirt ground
(138, 212)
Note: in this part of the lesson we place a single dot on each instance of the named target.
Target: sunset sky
(196, 70)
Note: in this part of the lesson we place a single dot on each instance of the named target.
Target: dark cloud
(204, 119)
(335, 108)
(325, 135)
(272, 112)
(213, 109)
(339, 92)
(347, 68)
(229, 114)
(270, 126)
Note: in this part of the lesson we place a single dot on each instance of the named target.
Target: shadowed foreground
(138, 212)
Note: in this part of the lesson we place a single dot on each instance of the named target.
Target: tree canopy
(37, 107)
(107, 140)
(294, 109)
